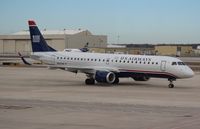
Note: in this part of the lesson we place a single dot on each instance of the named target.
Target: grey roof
(60, 32)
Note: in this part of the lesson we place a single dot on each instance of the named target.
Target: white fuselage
(116, 62)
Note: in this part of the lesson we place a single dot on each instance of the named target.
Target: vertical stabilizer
(37, 40)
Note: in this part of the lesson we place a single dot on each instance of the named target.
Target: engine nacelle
(141, 78)
(105, 77)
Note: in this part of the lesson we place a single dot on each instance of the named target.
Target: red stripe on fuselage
(150, 72)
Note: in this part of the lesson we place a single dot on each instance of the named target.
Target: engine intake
(105, 77)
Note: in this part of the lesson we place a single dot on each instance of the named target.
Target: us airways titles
(134, 58)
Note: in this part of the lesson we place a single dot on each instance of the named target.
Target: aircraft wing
(88, 70)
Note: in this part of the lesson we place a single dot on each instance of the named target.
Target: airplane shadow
(64, 83)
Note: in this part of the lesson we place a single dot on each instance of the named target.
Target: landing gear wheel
(171, 85)
(116, 81)
(89, 81)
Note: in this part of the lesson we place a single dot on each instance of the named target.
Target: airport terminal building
(58, 39)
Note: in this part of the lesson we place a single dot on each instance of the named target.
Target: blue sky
(124, 21)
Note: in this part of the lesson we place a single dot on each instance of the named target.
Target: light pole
(118, 39)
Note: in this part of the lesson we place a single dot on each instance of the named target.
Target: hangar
(174, 49)
(58, 39)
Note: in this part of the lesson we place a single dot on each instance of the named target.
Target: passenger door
(163, 65)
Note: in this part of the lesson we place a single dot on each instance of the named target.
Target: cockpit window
(174, 63)
(181, 63)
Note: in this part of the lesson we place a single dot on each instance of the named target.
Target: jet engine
(105, 77)
(141, 78)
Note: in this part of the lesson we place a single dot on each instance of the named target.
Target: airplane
(107, 68)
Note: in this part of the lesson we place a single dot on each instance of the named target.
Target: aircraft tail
(37, 40)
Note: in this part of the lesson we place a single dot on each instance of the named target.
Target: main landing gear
(171, 85)
(89, 81)
(116, 81)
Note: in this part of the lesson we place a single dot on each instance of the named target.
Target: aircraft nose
(189, 73)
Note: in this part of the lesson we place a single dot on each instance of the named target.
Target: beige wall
(9, 46)
(58, 44)
(80, 41)
(1, 46)
(166, 50)
(98, 50)
(134, 51)
(22, 46)
(186, 50)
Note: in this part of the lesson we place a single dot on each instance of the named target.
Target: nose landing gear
(171, 85)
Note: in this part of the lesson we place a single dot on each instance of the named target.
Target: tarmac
(39, 98)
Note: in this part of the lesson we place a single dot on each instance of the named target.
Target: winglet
(24, 61)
